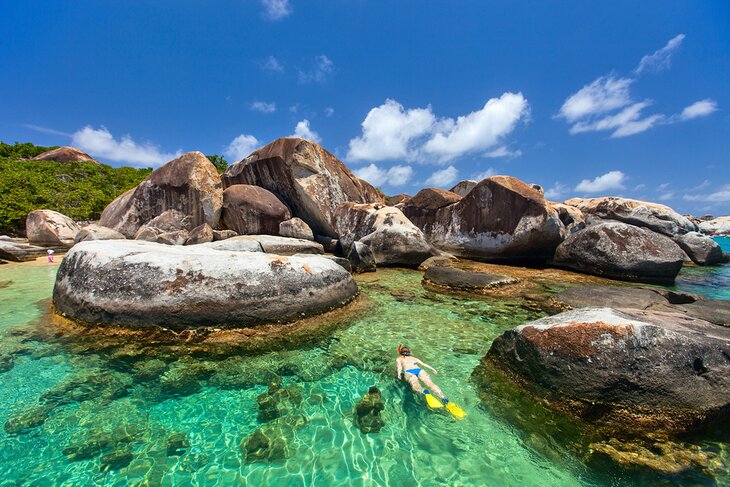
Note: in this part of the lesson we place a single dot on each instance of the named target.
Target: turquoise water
(713, 281)
(83, 413)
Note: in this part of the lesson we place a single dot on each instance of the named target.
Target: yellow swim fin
(433, 402)
(455, 410)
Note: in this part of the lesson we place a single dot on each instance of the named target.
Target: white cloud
(46, 130)
(272, 64)
(610, 180)
(443, 178)
(489, 172)
(276, 9)
(639, 187)
(637, 126)
(263, 107)
(605, 94)
(662, 187)
(720, 196)
(700, 108)
(626, 122)
(557, 191)
(661, 59)
(666, 196)
(240, 147)
(395, 176)
(503, 151)
(329, 111)
(478, 130)
(100, 143)
(318, 72)
(388, 131)
(304, 131)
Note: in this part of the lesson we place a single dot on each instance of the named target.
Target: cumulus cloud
(272, 64)
(263, 107)
(395, 176)
(661, 59)
(240, 147)
(443, 178)
(388, 132)
(557, 191)
(276, 9)
(605, 94)
(700, 108)
(391, 131)
(304, 131)
(610, 180)
(487, 173)
(100, 143)
(478, 130)
(319, 70)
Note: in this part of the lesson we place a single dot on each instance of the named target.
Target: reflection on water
(159, 416)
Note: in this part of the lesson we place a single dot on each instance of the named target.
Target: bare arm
(428, 367)
(399, 367)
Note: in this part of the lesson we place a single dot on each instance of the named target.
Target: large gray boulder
(295, 228)
(716, 226)
(700, 248)
(638, 370)
(658, 218)
(501, 218)
(251, 210)
(422, 208)
(189, 184)
(48, 227)
(97, 232)
(391, 237)
(143, 284)
(171, 227)
(620, 251)
(308, 179)
(200, 234)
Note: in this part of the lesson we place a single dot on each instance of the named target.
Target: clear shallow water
(115, 415)
(713, 281)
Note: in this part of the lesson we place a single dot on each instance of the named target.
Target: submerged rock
(636, 370)
(657, 218)
(143, 284)
(367, 411)
(308, 179)
(48, 227)
(189, 184)
(621, 251)
(278, 401)
(271, 442)
(461, 280)
(27, 419)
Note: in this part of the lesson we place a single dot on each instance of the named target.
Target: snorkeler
(411, 369)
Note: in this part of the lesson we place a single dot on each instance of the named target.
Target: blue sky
(624, 98)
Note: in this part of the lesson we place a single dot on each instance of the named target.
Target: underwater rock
(468, 281)
(185, 379)
(189, 184)
(200, 234)
(48, 227)
(701, 249)
(501, 218)
(367, 411)
(147, 370)
(6, 363)
(392, 238)
(361, 258)
(620, 251)
(252, 210)
(638, 370)
(177, 444)
(278, 401)
(143, 284)
(295, 228)
(97, 232)
(27, 419)
(653, 216)
(95, 443)
(116, 460)
(270, 442)
(307, 178)
(437, 261)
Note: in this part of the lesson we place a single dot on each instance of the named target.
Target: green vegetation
(219, 162)
(80, 190)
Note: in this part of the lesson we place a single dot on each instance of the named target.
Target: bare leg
(413, 381)
(426, 379)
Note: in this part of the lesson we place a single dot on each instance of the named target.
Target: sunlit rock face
(144, 284)
(638, 369)
(308, 179)
(48, 227)
(189, 184)
(501, 218)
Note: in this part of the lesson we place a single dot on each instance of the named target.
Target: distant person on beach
(410, 368)
(50, 255)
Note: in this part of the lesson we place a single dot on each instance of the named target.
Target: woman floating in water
(410, 368)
